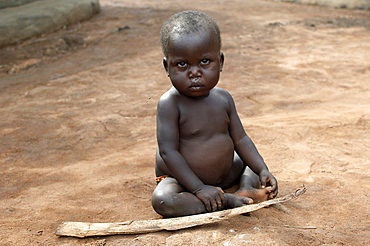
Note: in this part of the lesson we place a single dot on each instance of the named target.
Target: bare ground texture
(77, 126)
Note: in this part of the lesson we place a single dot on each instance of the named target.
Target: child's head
(191, 44)
(188, 22)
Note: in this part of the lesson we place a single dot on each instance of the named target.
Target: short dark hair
(187, 22)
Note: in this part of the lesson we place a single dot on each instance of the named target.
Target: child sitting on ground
(202, 146)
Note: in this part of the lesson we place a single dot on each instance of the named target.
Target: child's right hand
(212, 197)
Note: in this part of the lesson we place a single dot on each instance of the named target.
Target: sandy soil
(77, 129)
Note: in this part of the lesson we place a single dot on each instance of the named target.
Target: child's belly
(210, 159)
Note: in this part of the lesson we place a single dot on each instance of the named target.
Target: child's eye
(204, 61)
(182, 64)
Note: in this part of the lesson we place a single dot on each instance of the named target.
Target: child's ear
(165, 64)
(222, 60)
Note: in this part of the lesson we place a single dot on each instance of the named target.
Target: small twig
(300, 227)
(251, 74)
(281, 208)
(104, 125)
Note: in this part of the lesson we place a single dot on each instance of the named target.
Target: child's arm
(247, 151)
(168, 143)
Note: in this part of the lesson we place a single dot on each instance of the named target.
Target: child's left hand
(267, 179)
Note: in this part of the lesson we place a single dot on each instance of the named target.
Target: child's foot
(233, 201)
(257, 195)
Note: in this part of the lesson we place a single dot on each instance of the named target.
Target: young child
(202, 146)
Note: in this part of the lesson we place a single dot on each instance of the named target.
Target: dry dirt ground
(77, 128)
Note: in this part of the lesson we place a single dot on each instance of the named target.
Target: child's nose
(194, 71)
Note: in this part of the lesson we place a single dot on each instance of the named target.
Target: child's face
(194, 63)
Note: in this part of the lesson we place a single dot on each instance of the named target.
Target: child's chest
(200, 119)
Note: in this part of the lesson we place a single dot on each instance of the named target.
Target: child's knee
(163, 204)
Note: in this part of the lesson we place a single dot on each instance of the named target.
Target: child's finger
(207, 204)
(274, 185)
(221, 190)
(223, 202)
(263, 182)
(220, 202)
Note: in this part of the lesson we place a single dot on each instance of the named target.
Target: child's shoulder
(169, 95)
(169, 99)
(221, 93)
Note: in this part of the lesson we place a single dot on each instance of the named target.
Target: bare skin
(202, 144)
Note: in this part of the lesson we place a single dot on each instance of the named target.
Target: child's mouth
(195, 84)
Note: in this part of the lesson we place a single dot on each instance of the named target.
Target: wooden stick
(83, 229)
(300, 227)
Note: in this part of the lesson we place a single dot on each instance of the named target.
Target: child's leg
(170, 199)
(250, 186)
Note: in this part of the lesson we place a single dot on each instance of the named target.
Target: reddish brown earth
(77, 129)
